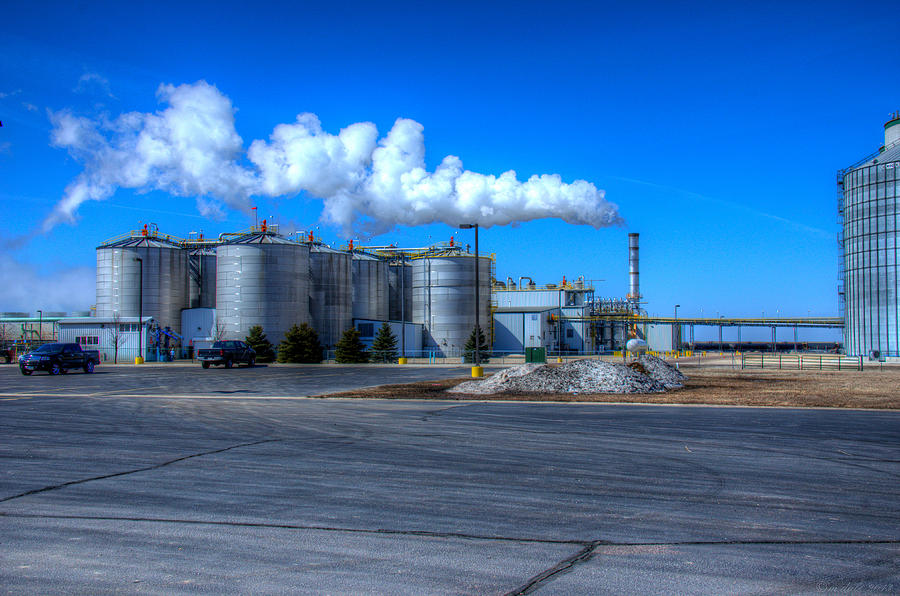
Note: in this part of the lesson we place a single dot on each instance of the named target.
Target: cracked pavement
(109, 484)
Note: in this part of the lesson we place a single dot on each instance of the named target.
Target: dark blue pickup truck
(227, 353)
(59, 358)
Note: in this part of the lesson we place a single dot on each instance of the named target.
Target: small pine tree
(350, 349)
(384, 348)
(300, 345)
(257, 340)
(483, 350)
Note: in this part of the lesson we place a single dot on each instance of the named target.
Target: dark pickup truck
(59, 358)
(227, 353)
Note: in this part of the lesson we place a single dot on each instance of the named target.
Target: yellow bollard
(402, 361)
(477, 372)
(138, 360)
(559, 358)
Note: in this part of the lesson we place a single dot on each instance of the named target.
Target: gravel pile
(662, 371)
(578, 376)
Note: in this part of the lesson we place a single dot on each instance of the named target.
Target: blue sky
(715, 129)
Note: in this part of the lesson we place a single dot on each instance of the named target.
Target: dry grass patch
(874, 388)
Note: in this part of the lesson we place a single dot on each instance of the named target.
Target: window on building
(570, 333)
(366, 329)
(87, 340)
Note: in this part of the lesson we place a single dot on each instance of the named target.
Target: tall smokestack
(634, 287)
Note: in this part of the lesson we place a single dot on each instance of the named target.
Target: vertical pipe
(634, 287)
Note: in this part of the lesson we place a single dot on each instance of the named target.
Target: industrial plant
(158, 291)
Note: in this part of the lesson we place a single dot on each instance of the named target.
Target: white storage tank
(330, 293)
(869, 206)
(370, 287)
(444, 299)
(165, 279)
(261, 279)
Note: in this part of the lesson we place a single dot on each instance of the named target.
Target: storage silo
(330, 293)
(400, 289)
(444, 299)
(165, 279)
(370, 287)
(869, 208)
(261, 279)
(202, 286)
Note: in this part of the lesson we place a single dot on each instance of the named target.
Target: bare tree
(118, 335)
(219, 331)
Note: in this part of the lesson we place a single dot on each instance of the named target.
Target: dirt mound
(660, 370)
(579, 376)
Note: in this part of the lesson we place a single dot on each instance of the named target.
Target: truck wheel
(88, 367)
(228, 364)
(252, 362)
(25, 371)
(55, 369)
(204, 364)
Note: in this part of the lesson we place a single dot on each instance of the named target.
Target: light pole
(140, 358)
(476, 370)
(40, 326)
(674, 329)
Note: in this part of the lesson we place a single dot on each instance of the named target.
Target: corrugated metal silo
(165, 279)
(330, 293)
(869, 205)
(444, 299)
(400, 290)
(261, 279)
(370, 287)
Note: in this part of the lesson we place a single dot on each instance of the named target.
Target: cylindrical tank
(870, 195)
(261, 279)
(202, 287)
(330, 293)
(444, 300)
(370, 287)
(165, 280)
(400, 290)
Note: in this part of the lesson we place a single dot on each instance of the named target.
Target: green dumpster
(538, 355)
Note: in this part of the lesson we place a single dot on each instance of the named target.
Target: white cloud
(25, 289)
(192, 149)
(29, 106)
(188, 149)
(5, 94)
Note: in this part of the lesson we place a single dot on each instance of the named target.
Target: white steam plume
(188, 149)
(192, 149)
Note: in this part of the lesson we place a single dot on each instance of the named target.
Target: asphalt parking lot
(168, 480)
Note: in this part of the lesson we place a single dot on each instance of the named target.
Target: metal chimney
(634, 287)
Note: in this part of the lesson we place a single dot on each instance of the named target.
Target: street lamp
(140, 358)
(40, 326)
(476, 370)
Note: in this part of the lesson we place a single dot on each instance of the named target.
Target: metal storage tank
(330, 293)
(869, 208)
(202, 287)
(370, 287)
(261, 279)
(400, 289)
(165, 278)
(444, 299)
